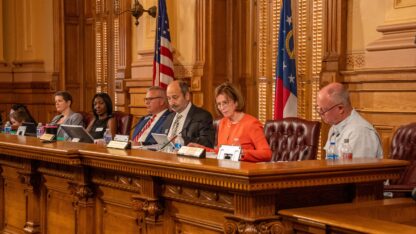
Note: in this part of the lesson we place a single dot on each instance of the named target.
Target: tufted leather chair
(123, 121)
(292, 139)
(86, 117)
(403, 147)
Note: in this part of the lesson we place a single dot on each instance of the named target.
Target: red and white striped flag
(163, 60)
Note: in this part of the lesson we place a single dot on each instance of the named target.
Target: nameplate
(122, 138)
(21, 131)
(192, 152)
(47, 137)
(229, 152)
(117, 145)
(75, 139)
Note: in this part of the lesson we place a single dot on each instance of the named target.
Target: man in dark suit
(157, 107)
(193, 123)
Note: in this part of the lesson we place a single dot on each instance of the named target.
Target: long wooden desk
(66, 187)
(381, 216)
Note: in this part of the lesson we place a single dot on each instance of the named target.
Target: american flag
(285, 103)
(163, 61)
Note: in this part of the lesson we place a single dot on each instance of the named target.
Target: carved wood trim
(42, 156)
(230, 183)
(202, 197)
(273, 225)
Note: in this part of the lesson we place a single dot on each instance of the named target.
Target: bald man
(192, 122)
(334, 107)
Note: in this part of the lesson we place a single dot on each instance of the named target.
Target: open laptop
(77, 133)
(161, 139)
(30, 128)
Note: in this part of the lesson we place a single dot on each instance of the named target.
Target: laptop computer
(30, 128)
(77, 133)
(161, 140)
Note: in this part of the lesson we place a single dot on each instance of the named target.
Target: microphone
(167, 143)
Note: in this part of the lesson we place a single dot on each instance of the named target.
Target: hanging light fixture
(137, 10)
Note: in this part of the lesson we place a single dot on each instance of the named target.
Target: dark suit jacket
(158, 128)
(197, 128)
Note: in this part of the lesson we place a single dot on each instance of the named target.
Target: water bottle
(179, 142)
(107, 136)
(7, 127)
(346, 150)
(332, 153)
(39, 130)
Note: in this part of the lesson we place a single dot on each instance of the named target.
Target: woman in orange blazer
(237, 127)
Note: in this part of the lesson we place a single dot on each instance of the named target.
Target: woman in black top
(102, 108)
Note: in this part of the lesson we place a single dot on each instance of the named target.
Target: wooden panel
(114, 212)
(59, 210)
(15, 212)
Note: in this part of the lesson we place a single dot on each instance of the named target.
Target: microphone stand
(167, 143)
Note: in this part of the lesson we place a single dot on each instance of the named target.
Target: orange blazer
(249, 132)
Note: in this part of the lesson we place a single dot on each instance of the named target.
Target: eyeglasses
(322, 112)
(149, 99)
(223, 104)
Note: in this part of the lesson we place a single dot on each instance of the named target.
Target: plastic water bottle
(332, 153)
(346, 150)
(7, 127)
(179, 142)
(107, 136)
(39, 130)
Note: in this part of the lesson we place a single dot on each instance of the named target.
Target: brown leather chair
(87, 117)
(403, 147)
(123, 121)
(292, 139)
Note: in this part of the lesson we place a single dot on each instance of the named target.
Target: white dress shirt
(184, 114)
(363, 138)
(149, 129)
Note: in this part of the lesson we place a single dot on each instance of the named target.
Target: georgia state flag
(285, 104)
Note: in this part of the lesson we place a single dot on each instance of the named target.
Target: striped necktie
(176, 125)
(146, 126)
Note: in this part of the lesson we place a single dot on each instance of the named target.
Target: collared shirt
(363, 138)
(184, 113)
(149, 129)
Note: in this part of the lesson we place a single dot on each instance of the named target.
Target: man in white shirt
(193, 123)
(157, 107)
(334, 106)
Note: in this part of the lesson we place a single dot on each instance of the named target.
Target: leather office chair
(87, 117)
(292, 139)
(123, 121)
(403, 147)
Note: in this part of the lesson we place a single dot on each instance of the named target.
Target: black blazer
(197, 128)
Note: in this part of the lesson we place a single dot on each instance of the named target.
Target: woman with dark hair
(237, 127)
(63, 102)
(22, 108)
(102, 108)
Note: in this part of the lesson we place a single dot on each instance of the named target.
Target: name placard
(192, 152)
(229, 152)
(21, 131)
(117, 145)
(47, 137)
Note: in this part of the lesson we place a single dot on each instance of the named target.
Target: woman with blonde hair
(237, 127)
